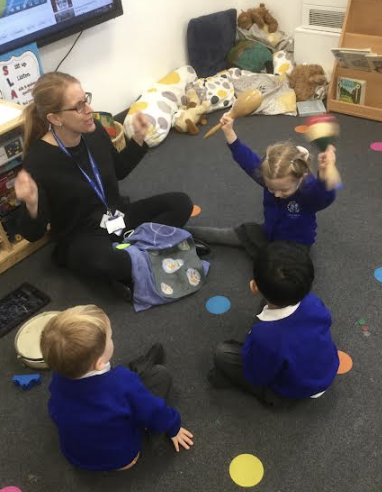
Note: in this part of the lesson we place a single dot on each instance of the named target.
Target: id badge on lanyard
(114, 223)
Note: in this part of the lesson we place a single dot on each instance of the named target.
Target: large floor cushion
(159, 103)
(209, 39)
(218, 90)
(250, 55)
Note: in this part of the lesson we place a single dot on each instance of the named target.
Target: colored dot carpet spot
(346, 362)
(246, 470)
(196, 211)
(377, 146)
(218, 305)
(301, 129)
(378, 274)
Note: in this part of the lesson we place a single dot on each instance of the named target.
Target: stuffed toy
(305, 79)
(188, 116)
(259, 16)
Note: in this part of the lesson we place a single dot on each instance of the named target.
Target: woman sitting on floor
(70, 180)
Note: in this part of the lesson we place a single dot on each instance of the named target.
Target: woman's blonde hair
(74, 340)
(48, 95)
(285, 159)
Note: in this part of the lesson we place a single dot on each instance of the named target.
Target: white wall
(117, 60)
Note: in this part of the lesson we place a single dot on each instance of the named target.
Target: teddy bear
(259, 16)
(304, 79)
(188, 116)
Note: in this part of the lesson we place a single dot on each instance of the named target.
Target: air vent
(323, 19)
(326, 18)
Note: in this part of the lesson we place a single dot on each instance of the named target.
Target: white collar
(96, 373)
(276, 314)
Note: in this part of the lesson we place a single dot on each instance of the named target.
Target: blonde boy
(101, 412)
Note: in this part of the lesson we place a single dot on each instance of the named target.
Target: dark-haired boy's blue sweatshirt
(101, 419)
(294, 356)
(286, 219)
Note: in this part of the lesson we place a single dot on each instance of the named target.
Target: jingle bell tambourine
(27, 340)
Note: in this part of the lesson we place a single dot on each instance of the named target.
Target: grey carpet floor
(332, 444)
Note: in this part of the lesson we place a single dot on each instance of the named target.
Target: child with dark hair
(289, 352)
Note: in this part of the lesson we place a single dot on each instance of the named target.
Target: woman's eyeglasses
(80, 106)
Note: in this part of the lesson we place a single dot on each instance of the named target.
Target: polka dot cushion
(217, 89)
(159, 103)
(282, 63)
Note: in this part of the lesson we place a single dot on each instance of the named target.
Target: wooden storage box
(362, 29)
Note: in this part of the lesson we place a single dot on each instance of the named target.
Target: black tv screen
(44, 21)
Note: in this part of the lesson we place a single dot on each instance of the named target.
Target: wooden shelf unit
(11, 253)
(362, 29)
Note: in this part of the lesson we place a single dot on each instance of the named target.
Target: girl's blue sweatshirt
(286, 219)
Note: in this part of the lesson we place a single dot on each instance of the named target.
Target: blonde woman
(70, 180)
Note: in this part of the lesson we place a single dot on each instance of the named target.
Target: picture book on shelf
(375, 62)
(351, 90)
(356, 59)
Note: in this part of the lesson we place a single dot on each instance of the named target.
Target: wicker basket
(119, 141)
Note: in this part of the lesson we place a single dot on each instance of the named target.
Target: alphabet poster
(19, 71)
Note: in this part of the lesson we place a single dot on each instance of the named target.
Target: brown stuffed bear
(245, 20)
(260, 16)
(186, 119)
(304, 79)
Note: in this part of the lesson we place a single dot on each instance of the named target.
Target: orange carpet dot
(196, 211)
(346, 363)
(301, 129)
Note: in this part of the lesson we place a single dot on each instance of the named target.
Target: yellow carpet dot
(246, 470)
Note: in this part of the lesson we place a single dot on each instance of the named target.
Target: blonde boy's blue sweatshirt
(101, 419)
(286, 219)
(294, 356)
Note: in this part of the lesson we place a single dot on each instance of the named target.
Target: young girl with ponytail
(292, 194)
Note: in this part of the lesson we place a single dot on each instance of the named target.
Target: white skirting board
(313, 46)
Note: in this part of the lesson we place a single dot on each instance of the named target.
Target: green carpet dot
(361, 321)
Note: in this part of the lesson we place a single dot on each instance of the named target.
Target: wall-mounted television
(44, 21)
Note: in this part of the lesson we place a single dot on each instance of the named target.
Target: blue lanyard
(96, 187)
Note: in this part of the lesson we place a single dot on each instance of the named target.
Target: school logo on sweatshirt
(293, 207)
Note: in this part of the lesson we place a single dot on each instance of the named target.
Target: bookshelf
(361, 29)
(11, 252)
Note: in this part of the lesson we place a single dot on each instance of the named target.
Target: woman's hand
(227, 126)
(184, 438)
(27, 191)
(140, 126)
(327, 169)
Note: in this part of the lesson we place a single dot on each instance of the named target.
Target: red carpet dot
(196, 211)
(346, 363)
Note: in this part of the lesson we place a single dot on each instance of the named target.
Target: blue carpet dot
(378, 274)
(218, 305)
